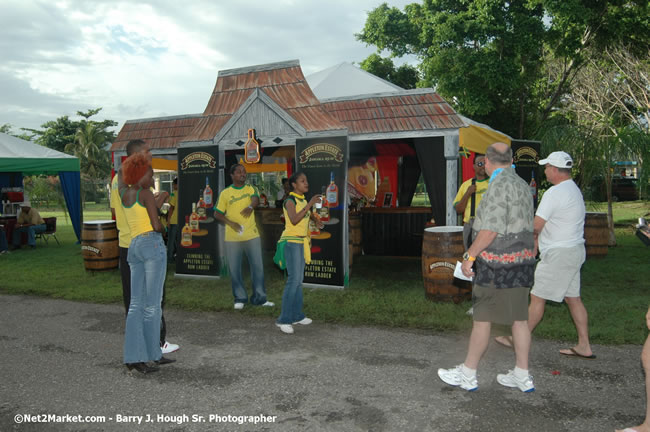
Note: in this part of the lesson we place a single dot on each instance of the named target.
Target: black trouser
(125, 271)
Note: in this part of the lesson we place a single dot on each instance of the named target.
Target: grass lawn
(383, 291)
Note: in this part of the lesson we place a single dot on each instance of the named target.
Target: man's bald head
(499, 154)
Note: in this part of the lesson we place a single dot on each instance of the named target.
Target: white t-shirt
(563, 209)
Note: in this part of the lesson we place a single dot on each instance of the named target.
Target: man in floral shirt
(503, 251)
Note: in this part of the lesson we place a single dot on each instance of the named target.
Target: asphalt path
(61, 359)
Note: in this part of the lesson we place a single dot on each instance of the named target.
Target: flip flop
(575, 353)
(504, 344)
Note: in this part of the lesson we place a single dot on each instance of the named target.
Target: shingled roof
(159, 133)
(262, 93)
(393, 113)
(277, 101)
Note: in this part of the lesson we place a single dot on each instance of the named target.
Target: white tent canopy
(344, 80)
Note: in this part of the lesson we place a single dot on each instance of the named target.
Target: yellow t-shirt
(173, 201)
(232, 201)
(120, 218)
(137, 217)
(481, 187)
(292, 231)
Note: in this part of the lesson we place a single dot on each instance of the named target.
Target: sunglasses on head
(480, 164)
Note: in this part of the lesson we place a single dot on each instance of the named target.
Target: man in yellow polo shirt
(235, 209)
(124, 241)
(469, 195)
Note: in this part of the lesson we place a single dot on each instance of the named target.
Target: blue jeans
(292, 296)
(31, 230)
(172, 241)
(253, 250)
(148, 262)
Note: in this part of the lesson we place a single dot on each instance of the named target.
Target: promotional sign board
(324, 161)
(198, 249)
(525, 156)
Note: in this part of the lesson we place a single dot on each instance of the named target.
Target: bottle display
(186, 233)
(324, 211)
(194, 219)
(332, 193)
(200, 207)
(313, 227)
(207, 194)
(252, 148)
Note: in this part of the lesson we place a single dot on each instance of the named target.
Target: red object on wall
(387, 167)
(289, 167)
(467, 166)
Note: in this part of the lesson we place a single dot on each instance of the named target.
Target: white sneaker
(304, 321)
(239, 306)
(510, 380)
(268, 304)
(286, 328)
(470, 311)
(455, 377)
(169, 348)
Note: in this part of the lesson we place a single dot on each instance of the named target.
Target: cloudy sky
(140, 59)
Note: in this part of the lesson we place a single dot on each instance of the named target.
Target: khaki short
(558, 273)
(500, 305)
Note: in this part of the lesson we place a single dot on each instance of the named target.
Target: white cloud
(151, 58)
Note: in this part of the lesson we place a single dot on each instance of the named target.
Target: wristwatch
(468, 257)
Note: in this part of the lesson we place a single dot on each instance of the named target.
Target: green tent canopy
(20, 156)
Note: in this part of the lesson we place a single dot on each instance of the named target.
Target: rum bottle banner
(325, 162)
(525, 156)
(198, 251)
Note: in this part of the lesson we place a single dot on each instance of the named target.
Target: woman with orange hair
(147, 259)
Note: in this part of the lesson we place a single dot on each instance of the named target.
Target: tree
(87, 139)
(89, 146)
(8, 129)
(603, 119)
(56, 134)
(405, 76)
(487, 58)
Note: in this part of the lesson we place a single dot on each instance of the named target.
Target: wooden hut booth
(395, 136)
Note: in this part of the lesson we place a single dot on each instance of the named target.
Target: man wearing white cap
(29, 221)
(559, 236)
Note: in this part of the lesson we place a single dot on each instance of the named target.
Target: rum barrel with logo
(596, 235)
(99, 245)
(442, 247)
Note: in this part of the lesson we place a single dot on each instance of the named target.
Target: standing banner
(325, 162)
(525, 156)
(198, 251)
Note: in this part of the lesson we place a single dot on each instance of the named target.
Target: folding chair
(50, 230)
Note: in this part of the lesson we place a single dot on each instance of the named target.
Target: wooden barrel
(355, 233)
(596, 235)
(99, 245)
(442, 247)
